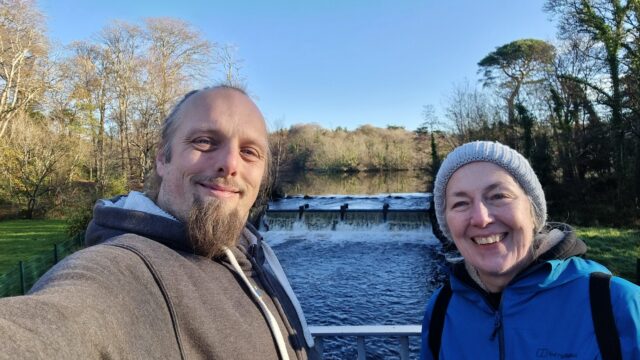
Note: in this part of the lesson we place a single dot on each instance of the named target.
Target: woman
(522, 290)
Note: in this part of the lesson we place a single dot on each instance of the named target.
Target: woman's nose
(480, 215)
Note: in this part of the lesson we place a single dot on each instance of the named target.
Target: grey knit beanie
(494, 152)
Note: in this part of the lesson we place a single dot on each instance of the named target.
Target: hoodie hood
(111, 218)
(568, 246)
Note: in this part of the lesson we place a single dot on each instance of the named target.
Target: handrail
(350, 210)
(362, 331)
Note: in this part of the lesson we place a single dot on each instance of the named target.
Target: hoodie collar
(137, 214)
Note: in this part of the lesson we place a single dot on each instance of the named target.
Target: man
(176, 273)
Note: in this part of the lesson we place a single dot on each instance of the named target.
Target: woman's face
(491, 222)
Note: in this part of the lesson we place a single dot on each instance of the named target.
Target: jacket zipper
(498, 329)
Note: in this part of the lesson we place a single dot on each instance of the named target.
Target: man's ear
(160, 163)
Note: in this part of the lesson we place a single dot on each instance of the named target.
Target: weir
(338, 217)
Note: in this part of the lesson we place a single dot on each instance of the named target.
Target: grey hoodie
(139, 292)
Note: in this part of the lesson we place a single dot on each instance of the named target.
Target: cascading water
(362, 272)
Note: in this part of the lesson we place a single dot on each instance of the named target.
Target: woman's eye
(458, 204)
(499, 196)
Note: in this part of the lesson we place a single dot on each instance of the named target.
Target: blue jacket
(544, 313)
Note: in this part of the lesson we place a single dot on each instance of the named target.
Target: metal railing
(403, 332)
(26, 272)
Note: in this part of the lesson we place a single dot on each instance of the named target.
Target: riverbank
(618, 249)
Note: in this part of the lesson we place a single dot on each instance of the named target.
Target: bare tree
(90, 78)
(175, 56)
(23, 48)
(469, 110)
(227, 59)
(123, 46)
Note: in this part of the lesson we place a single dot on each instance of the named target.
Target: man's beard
(211, 228)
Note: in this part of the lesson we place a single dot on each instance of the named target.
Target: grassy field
(617, 249)
(21, 239)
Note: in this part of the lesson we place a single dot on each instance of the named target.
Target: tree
(526, 121)
(514, 65)
(23, 49)
(177, 56)
(471, 112)
(430, 122)
(227, 59)
(37, 162)
(609, 23)
(90, 81)
(122, 43)
(174, 56)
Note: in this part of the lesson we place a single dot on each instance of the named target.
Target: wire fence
(19, 280)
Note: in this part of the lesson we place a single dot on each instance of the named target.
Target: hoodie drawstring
(271, 320)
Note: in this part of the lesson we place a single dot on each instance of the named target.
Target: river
(359, 275)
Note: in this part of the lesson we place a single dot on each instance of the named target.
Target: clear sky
(335, 63)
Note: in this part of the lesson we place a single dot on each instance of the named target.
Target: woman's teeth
(488, 239)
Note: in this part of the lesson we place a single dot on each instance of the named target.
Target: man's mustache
(219, 181)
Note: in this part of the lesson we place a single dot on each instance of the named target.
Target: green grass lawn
(617, 249)
(21, 239)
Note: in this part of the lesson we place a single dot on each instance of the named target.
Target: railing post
(55, 253)
(362, 354)
(404, 348)
(343, 211)
(22, 284)
(385, 210)
(319, 344)
(301, 210)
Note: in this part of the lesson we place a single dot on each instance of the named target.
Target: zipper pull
(497, 324)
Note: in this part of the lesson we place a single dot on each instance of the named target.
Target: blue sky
(335, 63)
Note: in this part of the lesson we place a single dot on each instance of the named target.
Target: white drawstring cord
(271, 320)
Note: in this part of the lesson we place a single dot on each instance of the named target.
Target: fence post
(638, 271)
(55, 253)
(22, 284)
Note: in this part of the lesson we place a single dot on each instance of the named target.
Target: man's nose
(227, 161)
(480, 215)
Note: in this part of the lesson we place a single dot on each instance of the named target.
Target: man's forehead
(221, 108)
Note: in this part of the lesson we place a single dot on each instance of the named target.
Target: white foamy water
(360, 275)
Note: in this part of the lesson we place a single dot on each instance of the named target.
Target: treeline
(571, 107)
(80, 122)
(368, 148)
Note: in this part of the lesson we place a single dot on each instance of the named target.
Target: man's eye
(202, 143)
(251, 153)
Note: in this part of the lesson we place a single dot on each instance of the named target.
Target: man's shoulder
(142, 246)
